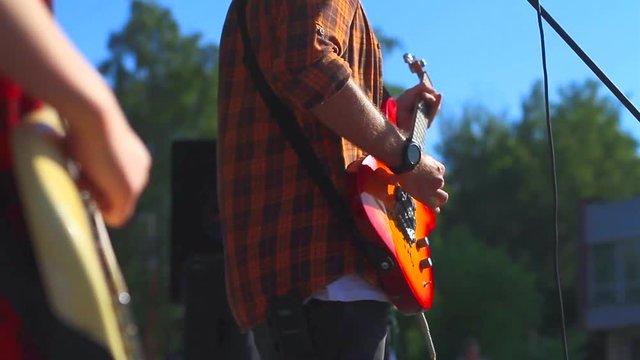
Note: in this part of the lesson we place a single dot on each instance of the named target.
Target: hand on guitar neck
(406, 104)
(426, 181)
(350, 114)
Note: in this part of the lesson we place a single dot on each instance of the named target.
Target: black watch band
(411, 154)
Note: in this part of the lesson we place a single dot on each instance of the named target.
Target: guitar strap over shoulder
(287, 122)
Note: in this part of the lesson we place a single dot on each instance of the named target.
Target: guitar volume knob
(426, 263)
(422, 243)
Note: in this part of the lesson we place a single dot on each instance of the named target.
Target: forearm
(350, 114)
(38, 56)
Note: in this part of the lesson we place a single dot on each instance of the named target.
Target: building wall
(610, 255)
(611, 241)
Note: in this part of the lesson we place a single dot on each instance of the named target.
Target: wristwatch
(411, 154)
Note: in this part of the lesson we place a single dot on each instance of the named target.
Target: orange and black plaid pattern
(280, 235)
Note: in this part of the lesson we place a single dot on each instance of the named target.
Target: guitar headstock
(423, 116)
(416, 66)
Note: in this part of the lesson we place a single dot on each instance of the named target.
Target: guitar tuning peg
(408, 58)
(415, 65)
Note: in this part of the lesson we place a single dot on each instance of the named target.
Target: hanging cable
(554, 180)
(586, 59)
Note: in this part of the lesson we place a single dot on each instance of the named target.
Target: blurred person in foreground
(38, 65)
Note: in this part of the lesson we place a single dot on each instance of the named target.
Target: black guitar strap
(299, 142)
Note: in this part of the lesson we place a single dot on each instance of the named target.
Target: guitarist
(37, 61)
(294, 277)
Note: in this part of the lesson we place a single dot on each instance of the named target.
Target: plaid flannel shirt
(280, 235)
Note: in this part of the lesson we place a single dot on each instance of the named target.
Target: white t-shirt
(350, 287)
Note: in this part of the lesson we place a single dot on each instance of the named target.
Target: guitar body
(84, 285)
(391, 219)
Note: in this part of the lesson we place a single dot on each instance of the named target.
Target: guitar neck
(422, 114)
(421, 123)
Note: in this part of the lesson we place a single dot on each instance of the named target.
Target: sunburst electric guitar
(388, 216)
(83, 282)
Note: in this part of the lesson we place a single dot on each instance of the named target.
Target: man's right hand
(425, 183)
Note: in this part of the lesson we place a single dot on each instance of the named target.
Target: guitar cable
(554, 177)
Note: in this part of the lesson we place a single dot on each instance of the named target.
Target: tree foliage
(166, 82)
(499, 174)
(480, 293)
(388, 44)
(499, 180)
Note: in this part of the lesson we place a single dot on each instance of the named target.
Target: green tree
(167, 84)
(388, 44)
(499, 182)
(481, 293)
(504, 308)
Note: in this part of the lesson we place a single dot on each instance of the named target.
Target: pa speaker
(195, 229)
(210, 332)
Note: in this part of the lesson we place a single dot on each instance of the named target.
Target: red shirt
(14, 104)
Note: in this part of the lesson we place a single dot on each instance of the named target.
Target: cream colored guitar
(84, 285)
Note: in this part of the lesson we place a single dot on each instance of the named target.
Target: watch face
(413, 153)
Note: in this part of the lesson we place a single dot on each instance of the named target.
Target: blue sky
(478, 52)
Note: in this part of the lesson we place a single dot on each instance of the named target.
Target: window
(603, 275)
(631, 266)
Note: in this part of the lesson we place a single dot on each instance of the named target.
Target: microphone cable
(554, 177)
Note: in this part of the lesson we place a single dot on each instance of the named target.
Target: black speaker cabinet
(210, 332)
(194, 208)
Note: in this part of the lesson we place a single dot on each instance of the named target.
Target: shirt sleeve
(310, 44)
